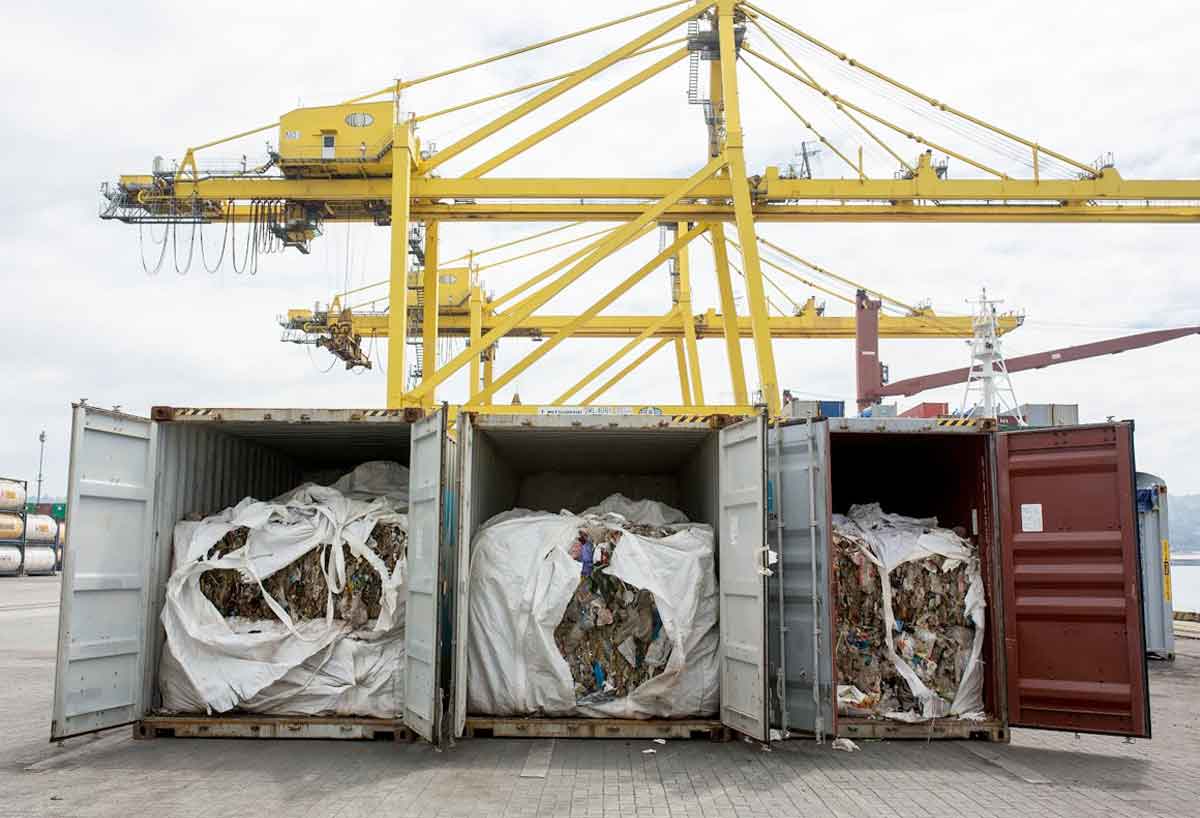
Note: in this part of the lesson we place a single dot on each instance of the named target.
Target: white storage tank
(11, 527)
(12, 495)
(1156, 566)
(10, 560)
(40, 559)
(41, 528)
(131, 479)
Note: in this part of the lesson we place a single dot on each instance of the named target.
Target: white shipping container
(132, 479)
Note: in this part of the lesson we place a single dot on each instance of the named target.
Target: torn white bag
(310, 667)
(522, 578)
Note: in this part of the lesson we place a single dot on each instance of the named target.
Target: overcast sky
(93, 91)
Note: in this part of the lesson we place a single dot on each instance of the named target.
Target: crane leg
(429, 316)
(689, 325)
(743, 213)
(402, 158)
(685, 389)
(733, 342)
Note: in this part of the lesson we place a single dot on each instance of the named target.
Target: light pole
(41, 460)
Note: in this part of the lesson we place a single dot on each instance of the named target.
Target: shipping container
(131, 479)
(880, 410)
(1155, 535)
(927, 410)
(711, 468)
(797, 408)
(1049, 414)
(1052, 514)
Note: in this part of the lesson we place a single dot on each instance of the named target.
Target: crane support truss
(394, 183)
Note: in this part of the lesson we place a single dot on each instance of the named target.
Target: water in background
(1185, 586)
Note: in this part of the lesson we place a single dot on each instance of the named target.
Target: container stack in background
(30, 540)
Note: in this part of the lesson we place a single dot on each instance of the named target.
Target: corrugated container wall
(1156, 565)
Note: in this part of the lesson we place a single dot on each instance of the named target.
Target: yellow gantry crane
(363, 161)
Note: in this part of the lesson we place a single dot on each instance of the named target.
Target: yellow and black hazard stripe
(958, 422)
(690, 418)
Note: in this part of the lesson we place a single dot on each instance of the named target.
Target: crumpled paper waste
(301, 588)
(932, 632)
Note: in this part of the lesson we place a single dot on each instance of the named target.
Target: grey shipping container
(132, 478)
(712, 468)
(1064, 632)
(1050, 414)
(1154, 530)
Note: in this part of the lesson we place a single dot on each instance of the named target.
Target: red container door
(1074, 639)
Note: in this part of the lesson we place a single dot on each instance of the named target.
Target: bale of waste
(293, 606)
(910, 617)
(594, 615)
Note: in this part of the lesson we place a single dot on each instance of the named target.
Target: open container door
(1074, 639)
(744, 559)
(462, 574)
(799, 614)
(422, 619)
(102, 621)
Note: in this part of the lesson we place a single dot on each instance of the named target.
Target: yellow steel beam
(606, 247)
(402, 138)
(475, 304)
(587, 315)
(651, 328)
(574, 116)
(554, 92)
(743, 212)
(634, 364)
(685, 312)
(730, 331)
(685, 387)
(708, 325)
(1110, 186)
(429, 315)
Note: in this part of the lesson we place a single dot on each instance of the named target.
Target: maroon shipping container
(927, 410)
(1052, 513)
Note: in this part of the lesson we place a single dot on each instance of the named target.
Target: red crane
(870, 372)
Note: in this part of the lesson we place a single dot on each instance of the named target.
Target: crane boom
(1039, 360)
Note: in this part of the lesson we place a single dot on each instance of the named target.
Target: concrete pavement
(1039, 774)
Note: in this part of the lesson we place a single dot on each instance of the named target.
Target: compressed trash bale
(611, 632)
(301, 588)
(932, 632)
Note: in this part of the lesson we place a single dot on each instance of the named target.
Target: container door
(799, 614)
(102, 620)
(423, 631)
(1074, 641)
(462, 575)
(744, 571)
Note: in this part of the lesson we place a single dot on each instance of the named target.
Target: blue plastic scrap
(586, 554)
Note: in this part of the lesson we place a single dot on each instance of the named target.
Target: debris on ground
(845, 745)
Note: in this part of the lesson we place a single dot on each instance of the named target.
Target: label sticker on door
(1031, 517)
